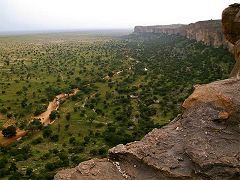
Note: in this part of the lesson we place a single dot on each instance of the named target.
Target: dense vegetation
(128, 86)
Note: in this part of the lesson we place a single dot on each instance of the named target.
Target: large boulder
(231, 29)
(101, 169)
(231, 23)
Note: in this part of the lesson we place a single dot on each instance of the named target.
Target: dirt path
(53, 105)
(1, 116)
(6, 141)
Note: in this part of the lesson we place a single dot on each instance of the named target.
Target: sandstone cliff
(202, 143)
(208, 32)
(231, 29)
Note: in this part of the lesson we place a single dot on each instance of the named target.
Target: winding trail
(6, 141)
(54, 105)
(44, 118)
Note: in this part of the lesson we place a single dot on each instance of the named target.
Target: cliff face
(169, 29)
(208, 32)
(202, 143)
(231, 26)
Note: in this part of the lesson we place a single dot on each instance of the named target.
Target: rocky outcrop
(102, 169)
(208, 32)
(231, 23)
(168, 29)
(202, 143)
(231, 29)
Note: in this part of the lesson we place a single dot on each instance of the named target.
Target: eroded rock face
(168, 29)
(221, 94)
(101, 169)
(231, 29)
(231, 23)
(208, 32)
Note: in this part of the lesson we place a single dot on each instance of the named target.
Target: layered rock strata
(208, 32)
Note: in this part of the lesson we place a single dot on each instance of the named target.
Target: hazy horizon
(81, 31)
(79, 15)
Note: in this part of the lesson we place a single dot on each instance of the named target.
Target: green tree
(68, 116)
(47, 132)
(13, 167)
(35, 125)
(3, 162)
(29, 171)
(53, 115)
(10, 131)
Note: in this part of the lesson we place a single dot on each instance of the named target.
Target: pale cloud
(85, 14)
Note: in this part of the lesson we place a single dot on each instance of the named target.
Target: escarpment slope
(201, 143)
(231, 29)
(208, 32)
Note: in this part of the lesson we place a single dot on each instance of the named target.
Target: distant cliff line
(209, 32)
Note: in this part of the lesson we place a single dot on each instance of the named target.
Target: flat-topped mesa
(231, 29)
(169, 29)
(208, 32)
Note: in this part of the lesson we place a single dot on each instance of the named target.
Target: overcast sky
(21, 15)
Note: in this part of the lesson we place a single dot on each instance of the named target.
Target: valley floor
(127, 86)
